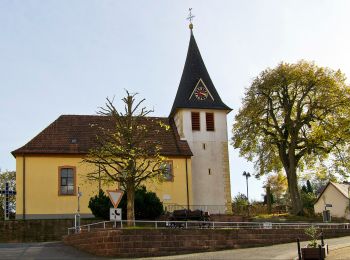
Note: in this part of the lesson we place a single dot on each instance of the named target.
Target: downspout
(188, 198)
(24, 187)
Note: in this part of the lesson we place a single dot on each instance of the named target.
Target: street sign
(115, 196)
(267, 225)
(329, 205)
(115, 214)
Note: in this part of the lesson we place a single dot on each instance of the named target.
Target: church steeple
(196, 90)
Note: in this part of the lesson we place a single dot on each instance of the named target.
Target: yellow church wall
(42, 199)
(174, 192)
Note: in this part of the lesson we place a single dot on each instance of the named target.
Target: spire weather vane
(190, 17)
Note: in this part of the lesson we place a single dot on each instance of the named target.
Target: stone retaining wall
(157, 242)
(36, 230)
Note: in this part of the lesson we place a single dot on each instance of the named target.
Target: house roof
(76, 134)
(194, 71)
(343, 188)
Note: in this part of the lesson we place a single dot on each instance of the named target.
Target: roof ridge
(76, 115)
(56, 137)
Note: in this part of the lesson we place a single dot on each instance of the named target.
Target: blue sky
(66, 57)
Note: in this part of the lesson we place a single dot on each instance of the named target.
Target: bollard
(320, 252)
(299, 250)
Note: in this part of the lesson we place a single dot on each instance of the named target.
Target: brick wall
(36, 230)
(146, 242)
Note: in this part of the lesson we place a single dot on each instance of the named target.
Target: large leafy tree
(293, 116)
(125, 153)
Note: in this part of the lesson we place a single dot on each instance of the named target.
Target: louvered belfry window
(210, 121)
(195, 121)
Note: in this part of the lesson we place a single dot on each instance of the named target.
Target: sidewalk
(339, 248)
(340, 253)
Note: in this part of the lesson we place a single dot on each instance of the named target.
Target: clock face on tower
(201, 93)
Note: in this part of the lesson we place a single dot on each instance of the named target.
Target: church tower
(201, 119)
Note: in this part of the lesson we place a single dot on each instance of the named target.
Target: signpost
(77, 216)
(115, 214)
(115, 196)
(7, 193)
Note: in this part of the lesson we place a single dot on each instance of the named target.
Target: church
(49, 168)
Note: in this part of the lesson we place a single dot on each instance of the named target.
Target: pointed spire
(195, 78)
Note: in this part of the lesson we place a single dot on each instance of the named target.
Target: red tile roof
(76, 134)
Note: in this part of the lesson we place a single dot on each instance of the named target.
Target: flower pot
(309, 253)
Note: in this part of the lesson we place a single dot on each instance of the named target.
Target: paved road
(339, 249)
(46, 250)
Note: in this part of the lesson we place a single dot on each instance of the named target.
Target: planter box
(314, 253)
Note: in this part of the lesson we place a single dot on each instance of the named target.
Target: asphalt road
(46, 250)
(339, 249)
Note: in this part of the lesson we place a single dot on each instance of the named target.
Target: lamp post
(247, 175)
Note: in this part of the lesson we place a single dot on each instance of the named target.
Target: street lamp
(247, 175)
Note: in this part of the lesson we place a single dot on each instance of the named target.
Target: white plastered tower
(201, 119)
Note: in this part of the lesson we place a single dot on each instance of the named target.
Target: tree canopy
(293, 117)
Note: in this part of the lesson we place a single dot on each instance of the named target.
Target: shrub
(240, 204)
(308, 200)
(147, 205)
(100, 205)
(313, 234)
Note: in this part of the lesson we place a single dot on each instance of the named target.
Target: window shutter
(210, 121)
(195, 121)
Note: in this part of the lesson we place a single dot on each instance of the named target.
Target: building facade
(337, 195)
(49, 167)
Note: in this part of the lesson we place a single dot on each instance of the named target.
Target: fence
(203, 224)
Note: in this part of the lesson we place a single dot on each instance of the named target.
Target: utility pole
(247, 175)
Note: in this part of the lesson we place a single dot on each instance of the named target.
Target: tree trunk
(293, 190)
(289, 162)
(130, 195)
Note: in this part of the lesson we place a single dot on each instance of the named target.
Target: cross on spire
(190, 18)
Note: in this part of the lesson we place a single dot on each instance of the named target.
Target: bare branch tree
(126, 151)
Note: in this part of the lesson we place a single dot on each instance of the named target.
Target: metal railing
(202, 224)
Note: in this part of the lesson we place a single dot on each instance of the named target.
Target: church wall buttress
(226, 177)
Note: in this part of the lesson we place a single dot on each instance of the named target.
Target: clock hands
(201, 93)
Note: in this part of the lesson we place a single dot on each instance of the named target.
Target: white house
(336, 194)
